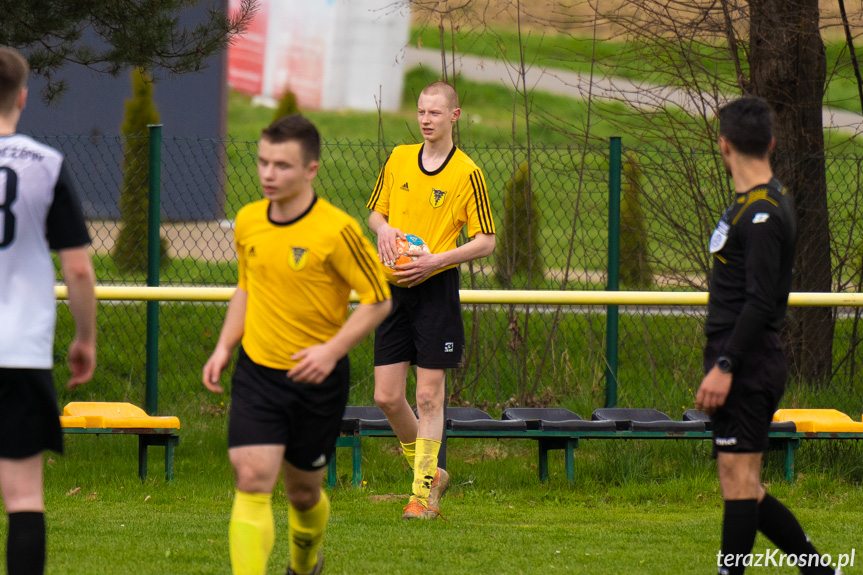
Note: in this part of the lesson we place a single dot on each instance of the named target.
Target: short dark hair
(14, 71)
(298, 128)
(747, 124)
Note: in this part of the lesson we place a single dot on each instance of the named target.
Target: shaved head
(443, 89)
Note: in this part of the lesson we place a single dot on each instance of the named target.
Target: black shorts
(29, 417)
(424, 326)
(742, 424)
(269, 408)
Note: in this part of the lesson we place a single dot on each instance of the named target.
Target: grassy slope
(631, 60)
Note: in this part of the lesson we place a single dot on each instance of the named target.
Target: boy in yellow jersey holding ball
(299, 257)
(431, 190)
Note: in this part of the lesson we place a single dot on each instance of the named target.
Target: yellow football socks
(409, 450)
(251, 533)
(425, 467)
(306, 532)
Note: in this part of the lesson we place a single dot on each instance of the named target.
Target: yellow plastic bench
(819, 420)
(98, 417)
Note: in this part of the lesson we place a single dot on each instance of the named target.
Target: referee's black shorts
(29, 417)
(424, 326)
(742, 424)
(269, 408)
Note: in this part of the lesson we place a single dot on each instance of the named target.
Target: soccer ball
(410, 244)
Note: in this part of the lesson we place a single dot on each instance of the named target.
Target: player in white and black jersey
(39, 212)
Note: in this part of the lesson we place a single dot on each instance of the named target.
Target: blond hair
(445, 89)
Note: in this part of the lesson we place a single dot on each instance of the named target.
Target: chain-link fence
(551, 210)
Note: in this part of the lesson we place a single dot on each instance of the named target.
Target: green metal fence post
(154, 178)
(611, 318)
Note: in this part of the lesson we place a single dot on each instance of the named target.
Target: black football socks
(25, 543)
(739, 526)
(779, 525)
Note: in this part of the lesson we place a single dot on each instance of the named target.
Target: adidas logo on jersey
(405, 187)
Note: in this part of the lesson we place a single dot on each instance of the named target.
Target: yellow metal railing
(535, 297)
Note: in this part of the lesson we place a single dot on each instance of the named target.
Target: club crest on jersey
(437, 197)
(298, 258)
(719, 237)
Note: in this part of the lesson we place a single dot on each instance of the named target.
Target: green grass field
(635, 507)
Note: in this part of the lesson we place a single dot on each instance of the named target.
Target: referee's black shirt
(753, 252)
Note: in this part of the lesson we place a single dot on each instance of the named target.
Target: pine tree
(130, 251)
(635, 268)
(517, 250)
(287, 105)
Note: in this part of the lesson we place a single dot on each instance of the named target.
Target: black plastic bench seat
(668, 426)
(476, 420)
(364, 418)
(644, 419)
(698, 415)
(575, 425)
(775, 426)
(783, 426)
(555, 419)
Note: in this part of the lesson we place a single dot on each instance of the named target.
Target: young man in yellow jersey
(298, 259)
(431, 190)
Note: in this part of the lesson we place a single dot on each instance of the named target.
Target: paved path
(203, 240)
(579, 86)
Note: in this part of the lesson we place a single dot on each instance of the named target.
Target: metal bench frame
(785, 441)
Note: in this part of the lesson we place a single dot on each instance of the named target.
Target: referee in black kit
(753, 252)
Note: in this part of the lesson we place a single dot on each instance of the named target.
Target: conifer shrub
(130, 250)
(635, 269)
(517, 259)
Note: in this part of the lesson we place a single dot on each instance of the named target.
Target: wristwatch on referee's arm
(725, 364)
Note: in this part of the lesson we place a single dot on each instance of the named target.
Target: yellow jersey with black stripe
(298, 276)
(434, 205)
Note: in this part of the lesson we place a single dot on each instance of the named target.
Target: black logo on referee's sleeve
(437, 197)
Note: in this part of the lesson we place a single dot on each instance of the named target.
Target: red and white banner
(246, 52)
(330, 53)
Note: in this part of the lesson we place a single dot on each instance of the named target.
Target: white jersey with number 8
(38, 212)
